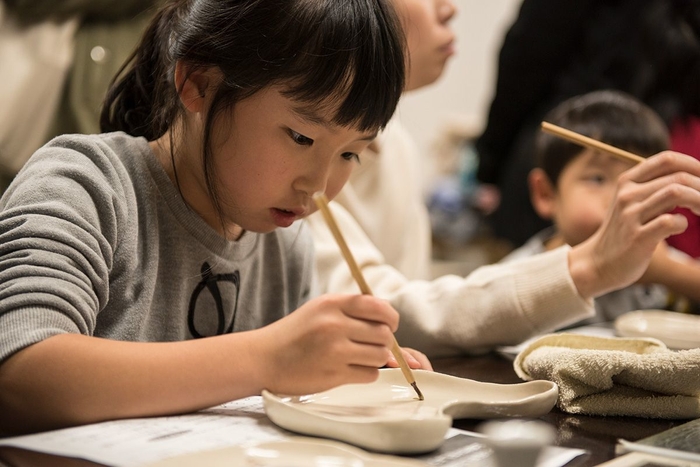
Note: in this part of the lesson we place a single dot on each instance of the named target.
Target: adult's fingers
(664, 226)
(666, 184)
(662, 164)
(667, 198)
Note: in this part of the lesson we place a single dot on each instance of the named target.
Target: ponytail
(141, 100)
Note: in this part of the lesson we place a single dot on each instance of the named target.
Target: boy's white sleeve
(500, 304)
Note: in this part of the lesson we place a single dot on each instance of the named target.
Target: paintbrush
(587, 142)
(322, 203)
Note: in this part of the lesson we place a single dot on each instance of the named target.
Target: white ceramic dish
(386, 416)
(676, 330)
(293, 452)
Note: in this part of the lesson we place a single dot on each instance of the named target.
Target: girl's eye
(349, 156)
(300, 139)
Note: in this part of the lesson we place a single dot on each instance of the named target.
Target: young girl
(119, 250)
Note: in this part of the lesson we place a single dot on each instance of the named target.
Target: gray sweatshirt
(95, 239)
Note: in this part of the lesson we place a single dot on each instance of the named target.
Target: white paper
(133, 442)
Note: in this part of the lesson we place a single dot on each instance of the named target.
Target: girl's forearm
(72, 379)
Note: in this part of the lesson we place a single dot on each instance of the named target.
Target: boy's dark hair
(349, 53)
(613, 117)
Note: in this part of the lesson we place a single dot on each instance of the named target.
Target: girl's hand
(415, 360)
(638, 220)
(329, 341)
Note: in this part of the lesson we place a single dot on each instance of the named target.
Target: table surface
(597, 435)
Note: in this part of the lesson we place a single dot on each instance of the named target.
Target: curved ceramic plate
(386, 416)
(676, 330)
(293, 452)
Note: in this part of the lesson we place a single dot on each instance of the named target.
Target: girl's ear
(542, 193)
(192, 85)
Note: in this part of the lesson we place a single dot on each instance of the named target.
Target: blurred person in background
(83, 43)
(382, 214)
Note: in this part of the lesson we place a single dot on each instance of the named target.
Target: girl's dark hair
(350, 53)
(613, 117)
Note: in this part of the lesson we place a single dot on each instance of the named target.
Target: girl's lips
(448, 48)
(283, 217)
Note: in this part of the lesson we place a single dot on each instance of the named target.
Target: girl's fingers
(362, 374)
(368, 308)
(414, 359)
(419, 357)
(370, 332)
(373, 356)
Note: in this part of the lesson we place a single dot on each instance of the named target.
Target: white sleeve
(500, 304)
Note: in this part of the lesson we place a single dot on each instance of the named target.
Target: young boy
(574, 187)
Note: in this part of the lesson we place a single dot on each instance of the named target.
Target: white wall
(465, 89)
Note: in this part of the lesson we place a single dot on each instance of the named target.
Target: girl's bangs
(351, 62)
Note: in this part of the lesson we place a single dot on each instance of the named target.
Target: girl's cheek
(336, 183)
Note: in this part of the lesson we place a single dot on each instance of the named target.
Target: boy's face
(579, 203)
(429, 37)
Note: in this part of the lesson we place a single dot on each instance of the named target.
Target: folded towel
(615, 376)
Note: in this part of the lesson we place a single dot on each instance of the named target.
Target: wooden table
(597, 435)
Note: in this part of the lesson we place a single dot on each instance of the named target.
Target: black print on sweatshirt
(200, 310)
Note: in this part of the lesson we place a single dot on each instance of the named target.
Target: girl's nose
(446, 10)
(314, 180)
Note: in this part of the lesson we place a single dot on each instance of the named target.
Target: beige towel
(615, 376)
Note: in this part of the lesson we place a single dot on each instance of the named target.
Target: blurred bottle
(517, 443)
(458, 203)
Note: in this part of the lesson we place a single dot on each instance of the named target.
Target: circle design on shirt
(211, 282)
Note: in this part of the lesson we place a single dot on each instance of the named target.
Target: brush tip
(420, 394)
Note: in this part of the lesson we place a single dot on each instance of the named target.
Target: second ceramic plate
(386, 416)
(676, 330)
